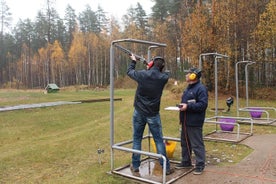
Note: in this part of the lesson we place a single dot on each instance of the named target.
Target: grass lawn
(60, 144)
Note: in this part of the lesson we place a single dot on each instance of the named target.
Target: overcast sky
(28, 8)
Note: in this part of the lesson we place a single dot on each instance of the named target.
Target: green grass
(59, 144)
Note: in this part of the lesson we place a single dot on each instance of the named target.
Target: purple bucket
(227, 127)
(255, 113)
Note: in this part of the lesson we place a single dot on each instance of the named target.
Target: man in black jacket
(151, 83)
(193, 107)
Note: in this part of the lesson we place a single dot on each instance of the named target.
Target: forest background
(75, 49)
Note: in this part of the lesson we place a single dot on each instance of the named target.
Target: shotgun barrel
(140, 58)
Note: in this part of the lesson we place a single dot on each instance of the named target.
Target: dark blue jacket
(149, 90)
(196, 96)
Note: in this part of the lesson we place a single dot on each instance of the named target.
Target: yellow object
(192, 76)
(170, 147)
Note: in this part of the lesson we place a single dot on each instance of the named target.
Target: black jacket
(196, 96)
(149, 90)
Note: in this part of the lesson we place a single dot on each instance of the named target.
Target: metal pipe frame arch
(112, 145)
(237, 82)
(249, 108)
(217, 55)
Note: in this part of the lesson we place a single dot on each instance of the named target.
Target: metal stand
(265, 110)
(229, 136)
(125, 171)
(218, 134)
(217, 56)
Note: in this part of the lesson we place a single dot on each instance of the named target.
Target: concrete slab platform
(226, 136)
(151, 171)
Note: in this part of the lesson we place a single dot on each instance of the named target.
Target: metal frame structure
(246, 81)
(229, 136)
(217, 56)
(247, 108)
(120, 146)
(221, 135)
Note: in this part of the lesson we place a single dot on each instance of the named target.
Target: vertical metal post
(237, 88)
(149, 51)
(216, 85)
(217, 56)
(246, 84)
(246, 81)
(112, 145)
(237, 83)
(112, 104)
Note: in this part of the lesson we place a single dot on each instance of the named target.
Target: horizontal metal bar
(140, 41)
(135, 177)
(140, 152)
(267, 108)
(214, 53)
(145, 153)
(231, 117)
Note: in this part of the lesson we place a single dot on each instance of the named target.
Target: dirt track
(257, 168)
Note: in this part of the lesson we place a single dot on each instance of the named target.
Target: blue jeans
(139, 122)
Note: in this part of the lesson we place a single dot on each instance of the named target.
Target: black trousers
(192, 141)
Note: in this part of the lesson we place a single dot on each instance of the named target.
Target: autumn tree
(5, 18)
(197, 34)
(77, 57)
(265, 45)
(98, 57)
(197, 39)
(44, 55)
(57, 57)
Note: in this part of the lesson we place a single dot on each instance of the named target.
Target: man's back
(149, 90)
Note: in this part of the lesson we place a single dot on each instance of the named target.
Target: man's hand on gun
(132, 57)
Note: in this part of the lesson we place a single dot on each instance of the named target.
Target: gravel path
(257, 168)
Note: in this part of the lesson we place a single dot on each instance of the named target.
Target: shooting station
(224, 126)
(255, 113)
(150, 169)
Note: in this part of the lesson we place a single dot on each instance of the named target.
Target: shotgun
(140, 58)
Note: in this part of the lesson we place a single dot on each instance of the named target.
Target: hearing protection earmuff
(194, 74)
(161, 64)
(150, 64)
